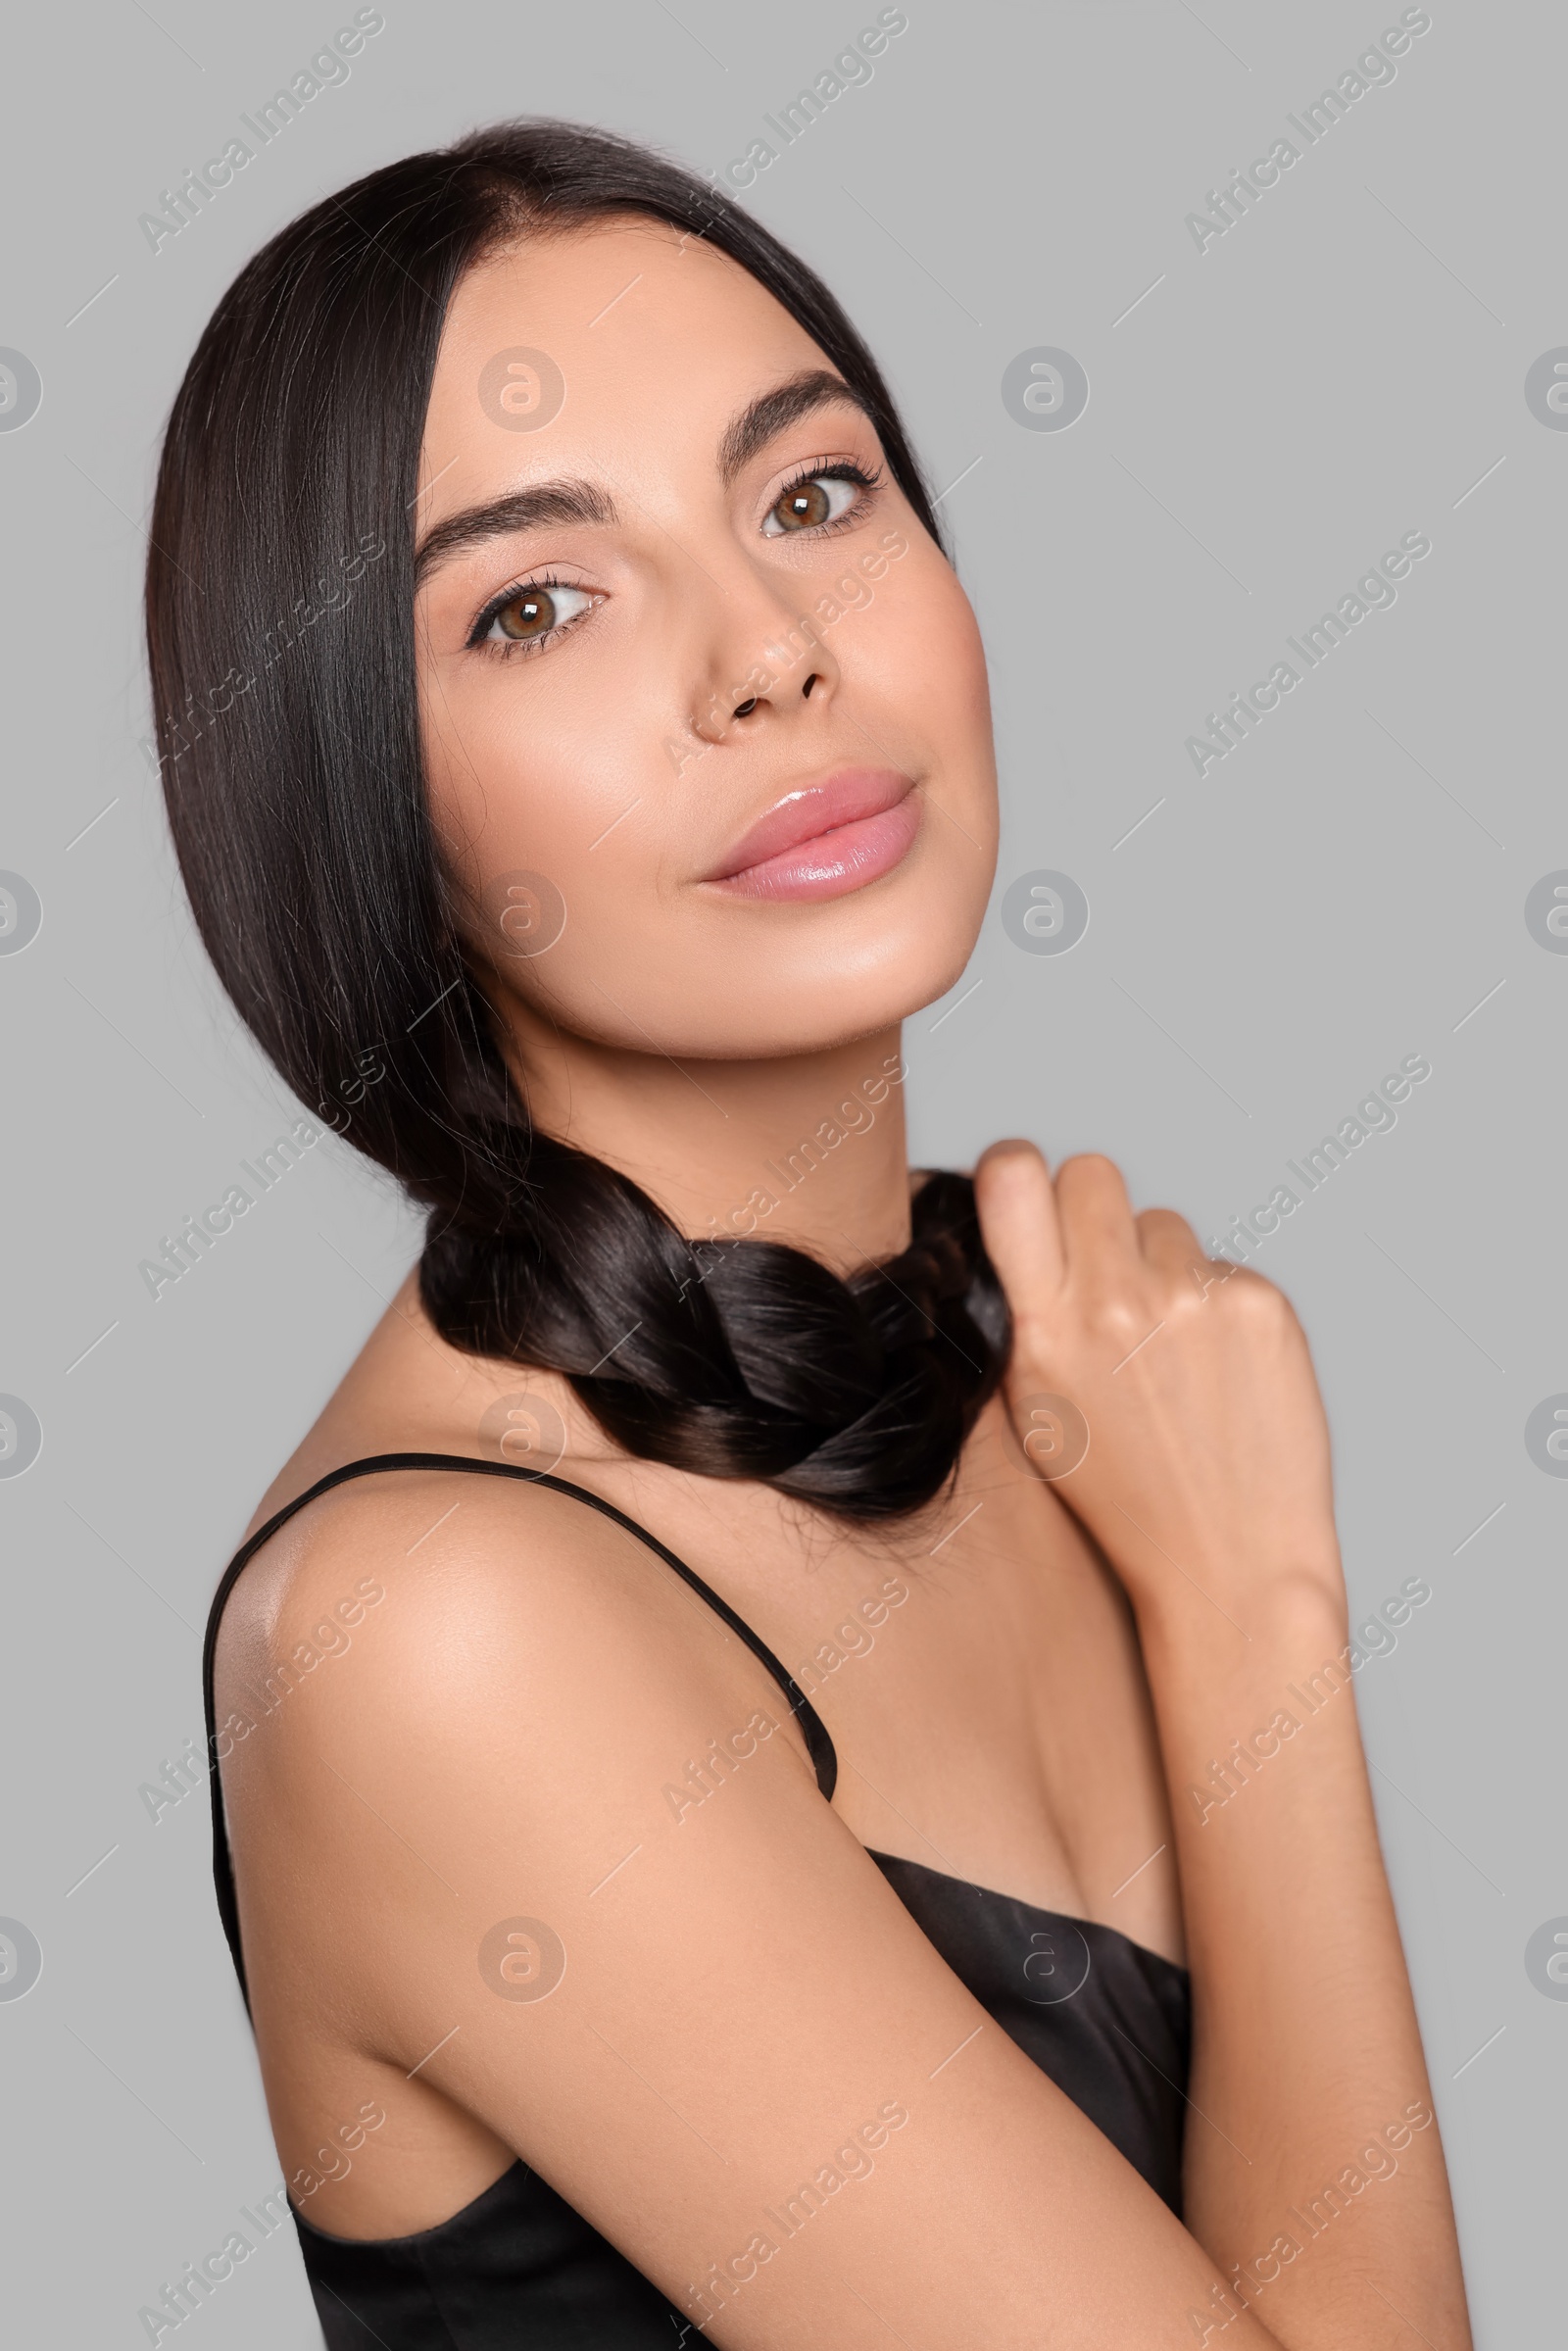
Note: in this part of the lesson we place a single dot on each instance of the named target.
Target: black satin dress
(520, 2269)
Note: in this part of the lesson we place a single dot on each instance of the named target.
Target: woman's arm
(749, 2068)
(1314, 2172)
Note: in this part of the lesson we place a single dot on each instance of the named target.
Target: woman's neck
(807, 1149)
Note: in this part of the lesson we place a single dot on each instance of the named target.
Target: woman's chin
(802, 1012)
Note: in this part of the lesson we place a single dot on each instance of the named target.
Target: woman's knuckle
(1114, 1314)
(1181, 1295)
(1254, 1299)
(1034, 1334)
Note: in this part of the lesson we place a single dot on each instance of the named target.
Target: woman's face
(704, 708)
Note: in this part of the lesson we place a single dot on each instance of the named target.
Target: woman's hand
(1170, 1397)
(1205, 1481)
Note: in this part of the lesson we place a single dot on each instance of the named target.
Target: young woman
(741, 1715)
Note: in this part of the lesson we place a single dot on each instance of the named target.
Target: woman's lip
(830, 864)
(839, 800)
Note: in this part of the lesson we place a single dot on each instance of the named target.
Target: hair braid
(736, 1359)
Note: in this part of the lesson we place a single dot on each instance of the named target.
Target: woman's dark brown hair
(280, 638)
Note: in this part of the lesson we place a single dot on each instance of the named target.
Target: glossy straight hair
(279, 617)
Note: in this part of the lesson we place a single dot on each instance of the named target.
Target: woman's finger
(1096, 1217)
(1021, 1227)
(1168, 1242)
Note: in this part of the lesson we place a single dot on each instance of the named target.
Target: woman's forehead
(624, 346)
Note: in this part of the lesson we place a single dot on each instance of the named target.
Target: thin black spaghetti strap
(813, 1730)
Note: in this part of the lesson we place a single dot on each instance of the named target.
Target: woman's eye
(808, 505)
(527, 616)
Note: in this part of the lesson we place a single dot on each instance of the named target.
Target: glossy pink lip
(825, 839)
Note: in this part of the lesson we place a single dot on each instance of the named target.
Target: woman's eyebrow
(772, 413)
(519, 510)
(575, 500)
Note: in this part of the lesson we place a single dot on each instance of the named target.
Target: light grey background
(1346, 888)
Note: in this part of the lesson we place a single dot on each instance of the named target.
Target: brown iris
(532, 613)
(804, 507)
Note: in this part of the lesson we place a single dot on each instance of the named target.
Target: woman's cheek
(919, 647)
(511, 790)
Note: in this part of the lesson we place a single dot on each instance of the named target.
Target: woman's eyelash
(866, 480)
(486, 621)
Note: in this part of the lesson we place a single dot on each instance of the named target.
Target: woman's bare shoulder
(446, 1554)
(446, 1576)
